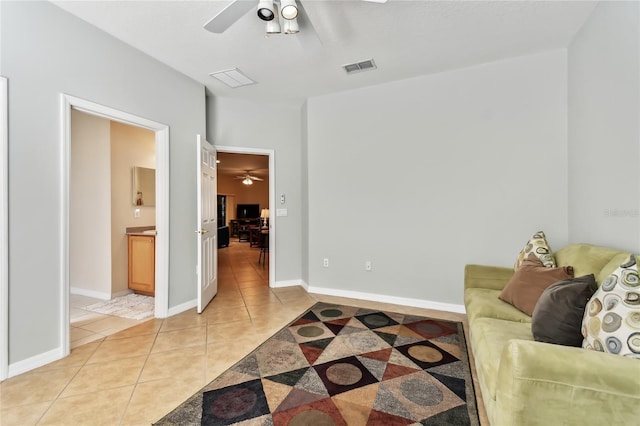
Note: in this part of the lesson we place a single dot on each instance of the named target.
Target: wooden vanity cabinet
(142, 264)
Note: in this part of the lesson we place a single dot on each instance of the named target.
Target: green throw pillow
(611, 320)
(558, 314)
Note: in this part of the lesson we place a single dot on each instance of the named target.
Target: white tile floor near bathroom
(87, 326)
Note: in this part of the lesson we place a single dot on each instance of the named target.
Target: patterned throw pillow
(537, 246)
(611, 320)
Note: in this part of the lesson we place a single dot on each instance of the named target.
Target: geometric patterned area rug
(132, 306)
(343, 365)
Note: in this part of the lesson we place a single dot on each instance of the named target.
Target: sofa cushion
(588, 259)
(612, 317)
(528, 282)
(489, 337)
(484, 303)
(557, 317)
(538, 247)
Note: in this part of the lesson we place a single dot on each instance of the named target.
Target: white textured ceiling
(405, 38)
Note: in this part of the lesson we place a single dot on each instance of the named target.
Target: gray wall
(422, 176)
(604, 134)
(240, 123)
(45, 52)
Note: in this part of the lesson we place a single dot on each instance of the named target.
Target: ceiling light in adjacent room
(232, 78)
(247, 181)
(288, 9)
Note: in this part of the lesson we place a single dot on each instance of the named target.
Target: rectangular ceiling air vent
(232, 78)
(360, 66)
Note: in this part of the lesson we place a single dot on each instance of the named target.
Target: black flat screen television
(248, 211)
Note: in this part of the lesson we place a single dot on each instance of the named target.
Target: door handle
(201, 231)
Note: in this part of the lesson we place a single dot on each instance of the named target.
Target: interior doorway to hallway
(247, 182)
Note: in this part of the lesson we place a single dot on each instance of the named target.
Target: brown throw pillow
(557, 317)
(527, 284)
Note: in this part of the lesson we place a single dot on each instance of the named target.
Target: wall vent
(232, 78)
(360, 66)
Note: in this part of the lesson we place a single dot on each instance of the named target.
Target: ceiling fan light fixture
(273, 26)
(288, 9)
(247, 181)
(266, 11)
(291, 26)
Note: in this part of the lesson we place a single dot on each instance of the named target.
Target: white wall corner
(416, 303)
(289, 283)
(35, 361)
(178, 309)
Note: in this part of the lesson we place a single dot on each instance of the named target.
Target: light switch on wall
(136, 213)
(282, 212)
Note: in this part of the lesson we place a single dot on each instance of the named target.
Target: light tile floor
(137, 375)
(87, 326)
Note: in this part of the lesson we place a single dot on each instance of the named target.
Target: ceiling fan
(268, 10)
(247, 178)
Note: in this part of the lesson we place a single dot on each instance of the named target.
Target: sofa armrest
(491, 277)
(541, 383)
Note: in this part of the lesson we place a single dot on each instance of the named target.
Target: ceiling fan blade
(229, 15)
(308, 36)
(255, 178)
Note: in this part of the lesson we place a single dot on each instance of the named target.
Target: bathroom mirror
(144, 186)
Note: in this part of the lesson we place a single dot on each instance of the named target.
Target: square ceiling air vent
(360, 66)
(232, 78)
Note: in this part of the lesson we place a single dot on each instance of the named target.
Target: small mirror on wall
(144, 186)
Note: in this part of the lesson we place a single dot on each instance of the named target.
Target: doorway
(112, 188)
(161, 137)
(241, 166)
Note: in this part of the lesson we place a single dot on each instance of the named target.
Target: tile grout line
(135, 385)
(57, 397)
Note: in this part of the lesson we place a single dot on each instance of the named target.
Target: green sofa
(525, 382)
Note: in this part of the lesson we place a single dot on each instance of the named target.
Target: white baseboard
(34, 362)
(121, 293)
(182, 307)
(289, 283)
(416, 303)
(90, 293)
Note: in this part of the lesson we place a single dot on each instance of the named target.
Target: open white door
(208, 228)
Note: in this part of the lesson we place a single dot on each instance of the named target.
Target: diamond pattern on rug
(131, 306)
(343, 365)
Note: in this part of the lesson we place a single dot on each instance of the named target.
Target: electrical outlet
(367, 265)
(325, 262)
(136, 213)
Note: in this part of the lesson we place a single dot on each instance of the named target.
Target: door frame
(162, 203)
(272, 199)
(4, 229)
